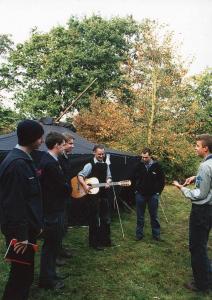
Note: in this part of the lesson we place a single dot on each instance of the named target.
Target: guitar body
(77, 189)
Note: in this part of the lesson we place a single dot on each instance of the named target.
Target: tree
(105, 122)
(202, 90)
(50, 69)
(156, 72)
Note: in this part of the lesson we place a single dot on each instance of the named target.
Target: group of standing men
(34, 203)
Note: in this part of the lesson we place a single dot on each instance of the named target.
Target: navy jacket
(20, 194)
(148, 182)
(55, 189)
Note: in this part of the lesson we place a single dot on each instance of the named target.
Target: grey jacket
(202, 194)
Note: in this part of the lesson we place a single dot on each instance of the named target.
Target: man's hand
(21, 247)
(177, 184)
(189, 180)
(108, 183)
(87, 188)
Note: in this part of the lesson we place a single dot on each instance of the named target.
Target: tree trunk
(153, 109)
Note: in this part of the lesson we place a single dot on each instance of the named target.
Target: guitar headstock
(125, 183)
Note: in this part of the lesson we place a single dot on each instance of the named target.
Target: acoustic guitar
(78, 191)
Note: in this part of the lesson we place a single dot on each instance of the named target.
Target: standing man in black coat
(65, 162)
(149, 182)
(55, 191)
(21, 205)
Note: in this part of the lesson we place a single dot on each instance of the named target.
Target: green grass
(132, 271)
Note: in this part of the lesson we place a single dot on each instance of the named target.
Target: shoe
(107, 244)
(193, 288)
(60, 262)
(62, 276)
(54, 285)
(157, 238)
(97, 248)
(138, 238)
(65, 253)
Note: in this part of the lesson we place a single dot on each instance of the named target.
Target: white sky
(191, 20)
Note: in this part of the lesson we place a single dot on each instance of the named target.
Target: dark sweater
(20, 194)
(148, 181)
(55, 189)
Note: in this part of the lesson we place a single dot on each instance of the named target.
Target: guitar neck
(104, 184)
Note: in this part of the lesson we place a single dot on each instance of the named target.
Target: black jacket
(65, 162)
(55, 189)
(20, 194)
(148, 182)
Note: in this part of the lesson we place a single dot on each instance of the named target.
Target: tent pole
(117, 206)
(79, 96)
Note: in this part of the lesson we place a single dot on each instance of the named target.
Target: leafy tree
(156, 72)
(105, 122)
(51, 68)
(202, 89)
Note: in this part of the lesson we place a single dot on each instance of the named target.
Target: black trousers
(20, 276)
(99, 221)
(53, 234)
(199, 228)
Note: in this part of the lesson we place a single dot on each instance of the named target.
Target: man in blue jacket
(20, 205)
(149, 181)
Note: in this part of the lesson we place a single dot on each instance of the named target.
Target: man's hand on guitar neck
(109, 180)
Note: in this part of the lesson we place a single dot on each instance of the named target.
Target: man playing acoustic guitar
(99, 206)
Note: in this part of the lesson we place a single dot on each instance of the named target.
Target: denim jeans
(54, 224)
(200, 224)
(152, 203)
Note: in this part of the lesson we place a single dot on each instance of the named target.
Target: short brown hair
(67, 136)
(53, 138)
(98, 146)
(206, 140)
(147, 150)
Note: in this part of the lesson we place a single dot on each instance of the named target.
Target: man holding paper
(21, 206)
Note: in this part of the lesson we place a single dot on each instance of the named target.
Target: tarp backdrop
(122, 163)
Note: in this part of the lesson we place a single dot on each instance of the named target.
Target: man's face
(146, 157)
(69, 145)
(201, 150)
(35, 145)
(99, 154)
(59, 148)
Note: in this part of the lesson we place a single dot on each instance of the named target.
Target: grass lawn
(133, 270)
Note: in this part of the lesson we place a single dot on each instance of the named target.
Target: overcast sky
(191, 20)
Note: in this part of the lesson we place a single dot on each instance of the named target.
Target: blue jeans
(152, 203)
(54, 225)
(199, 228)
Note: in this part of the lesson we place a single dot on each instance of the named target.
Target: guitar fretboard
(104, 184)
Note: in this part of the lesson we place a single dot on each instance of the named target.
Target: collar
(21, 148)
(208, 157)
(53, 155)
(97, 161)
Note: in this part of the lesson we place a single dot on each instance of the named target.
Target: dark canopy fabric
(122, 163)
